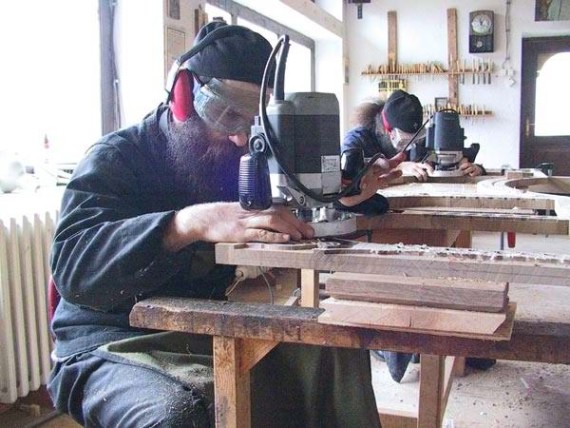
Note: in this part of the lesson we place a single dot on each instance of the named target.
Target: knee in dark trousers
(100, 393)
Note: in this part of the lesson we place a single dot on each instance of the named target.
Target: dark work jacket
(107, 252)
(369, 142)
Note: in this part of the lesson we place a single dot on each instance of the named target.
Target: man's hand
(379, 176)
(470, 169)
(229, 222)
(419, 170)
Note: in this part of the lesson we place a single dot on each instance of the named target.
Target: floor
(34, 411)
(510, 394)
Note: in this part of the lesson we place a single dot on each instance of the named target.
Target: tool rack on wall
(392, 76)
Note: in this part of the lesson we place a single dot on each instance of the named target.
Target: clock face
(481, 24)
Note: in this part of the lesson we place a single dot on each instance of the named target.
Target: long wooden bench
(244, 332)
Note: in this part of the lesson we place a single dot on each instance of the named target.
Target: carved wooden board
(405, 260)
(487, 203)
(467, 219)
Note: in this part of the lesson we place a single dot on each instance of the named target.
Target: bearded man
(139, 218)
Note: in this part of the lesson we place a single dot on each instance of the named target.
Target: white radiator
(25, 341)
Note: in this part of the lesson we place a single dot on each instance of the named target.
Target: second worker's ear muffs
(180, 80)
(387, 126)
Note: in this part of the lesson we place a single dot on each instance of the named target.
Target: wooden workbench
(439, 213)
(243, 333)
(488, 203)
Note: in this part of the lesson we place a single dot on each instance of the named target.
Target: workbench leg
(459, 367)
(310, 288)
(464, 240)
(432, 390)
(231, 389)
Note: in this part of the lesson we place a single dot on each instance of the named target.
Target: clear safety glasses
(227, 108)
(401, 138)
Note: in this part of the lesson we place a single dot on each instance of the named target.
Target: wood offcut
(450, 293)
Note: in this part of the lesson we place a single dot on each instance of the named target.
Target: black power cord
(283, 42)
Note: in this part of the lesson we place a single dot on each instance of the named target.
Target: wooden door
(545, 103)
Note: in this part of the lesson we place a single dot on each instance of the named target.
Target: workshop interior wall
(422, 37)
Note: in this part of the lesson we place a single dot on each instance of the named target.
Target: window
(52, 88)
(299, 73)
(552, 94)
(53, 92)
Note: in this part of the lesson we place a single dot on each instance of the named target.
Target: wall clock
(481, 31)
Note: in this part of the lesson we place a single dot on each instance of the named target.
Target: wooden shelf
(469, 110)
(476, 71)
(473, 77)
(485, 114)
(484, 68)
(443, 73)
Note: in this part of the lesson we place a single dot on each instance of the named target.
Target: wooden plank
(459, 367)
(432, 369)
(481, 221)
(452, 55)
(452, 366)
(431, 237)
(559, 185)
(511, 175)
(452, 37)
(464, 239)
(231, 390)
(474, 201)
(310, 288)
(541, 331)
(253, 351)
(462, 179)
(392, 41)
(558, 189)
(409, 260)
(470, 211)
(396, 418)
(384, 316)
(449, 293)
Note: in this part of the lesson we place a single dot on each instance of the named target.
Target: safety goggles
(226, 107)
(400, 139)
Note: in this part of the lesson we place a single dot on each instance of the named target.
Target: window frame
(110, 99)
(237, 10)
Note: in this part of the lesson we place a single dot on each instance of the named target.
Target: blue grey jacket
(369, 141)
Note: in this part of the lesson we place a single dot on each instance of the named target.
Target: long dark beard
(205, 166)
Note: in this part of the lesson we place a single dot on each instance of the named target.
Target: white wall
(328, 69)
(422, 37)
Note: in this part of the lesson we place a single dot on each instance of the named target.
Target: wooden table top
(541, 330)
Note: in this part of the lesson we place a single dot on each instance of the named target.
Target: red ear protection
(180, 81)
(182, 99)
(387, 126)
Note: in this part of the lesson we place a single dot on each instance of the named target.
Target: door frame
(532, 47)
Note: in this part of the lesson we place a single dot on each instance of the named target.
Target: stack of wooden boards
(454, 306)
